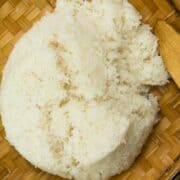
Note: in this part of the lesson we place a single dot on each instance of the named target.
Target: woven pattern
(160, 156)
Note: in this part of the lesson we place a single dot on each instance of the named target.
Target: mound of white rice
(74, 93)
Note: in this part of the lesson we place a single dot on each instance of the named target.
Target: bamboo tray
(160, 156)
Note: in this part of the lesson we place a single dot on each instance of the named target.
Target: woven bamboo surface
(160, 156)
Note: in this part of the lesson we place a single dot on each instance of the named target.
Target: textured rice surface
(74, 93)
